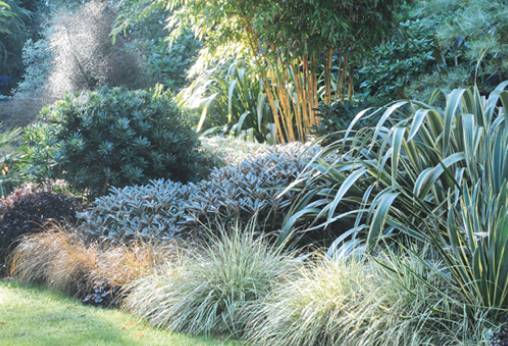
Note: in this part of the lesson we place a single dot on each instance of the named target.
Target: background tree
(14, 30)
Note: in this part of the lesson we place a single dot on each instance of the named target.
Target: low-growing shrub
(135, 212)
(102, 294)
(114, 137)
(30, 188)
(164, 208)
(16, 195)
(211, 289)
(27, 210)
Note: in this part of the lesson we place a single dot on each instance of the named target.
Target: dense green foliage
(37, 60)
(14, 30)
(286, 42)
(395, 64)
(142, 22)
(114, 137)
(10, 158)
(440, 44)
(337, 116)
(288, 26)
(229, 95)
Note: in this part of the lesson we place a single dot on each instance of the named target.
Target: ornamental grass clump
(56, 258)
(211, 290)
(70, 269)
(118, 265)
(388, 300)
(100, 273)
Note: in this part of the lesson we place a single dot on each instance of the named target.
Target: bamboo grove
(298, 62)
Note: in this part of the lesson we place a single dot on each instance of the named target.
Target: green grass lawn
(33, 316)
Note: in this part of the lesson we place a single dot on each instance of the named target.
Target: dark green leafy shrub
(475, 33)
(114, 137)
(396, 63)
(143, 23)
(27, 210)
(337, 116)
(15, 20)
(440, 44)
(11, 176)
(37, 60)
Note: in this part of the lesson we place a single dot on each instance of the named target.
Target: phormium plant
(436, 175)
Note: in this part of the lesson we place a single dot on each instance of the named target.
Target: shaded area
(18, 111)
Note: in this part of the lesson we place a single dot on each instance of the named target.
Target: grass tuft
(60, 260)
(389, 300)
(211, 290)
(56, 258)
(120, 265)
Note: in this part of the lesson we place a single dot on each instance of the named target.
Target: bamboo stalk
(315, 101)
(350, 88)
(298, 102)
(342, 72)
(346, 72)
(300, 85)
(328, 76)
(273, 107)
(307, 87)
(286, 113)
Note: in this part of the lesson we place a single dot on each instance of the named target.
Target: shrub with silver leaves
(164, 208)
